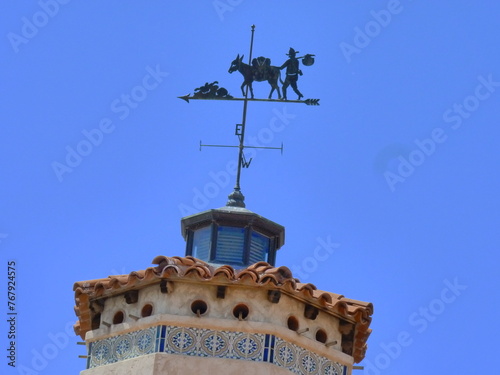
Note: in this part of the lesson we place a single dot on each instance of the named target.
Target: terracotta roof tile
(259, 274)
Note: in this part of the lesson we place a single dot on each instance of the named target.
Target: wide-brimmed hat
(292, 52)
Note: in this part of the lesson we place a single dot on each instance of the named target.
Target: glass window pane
(201, 243)
(259, 248)
(230, 245)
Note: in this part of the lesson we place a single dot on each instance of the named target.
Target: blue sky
(396, 171)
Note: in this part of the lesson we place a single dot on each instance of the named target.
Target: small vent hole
(321, 336)
(118, 318)
(147, 310)
(240, 311)
(199, 307)
(293, 323)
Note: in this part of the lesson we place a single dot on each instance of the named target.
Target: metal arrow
(187, 98)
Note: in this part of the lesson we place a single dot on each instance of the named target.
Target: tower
(224, 307)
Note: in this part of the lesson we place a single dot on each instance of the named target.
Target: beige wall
(169, 364)
(178, 303)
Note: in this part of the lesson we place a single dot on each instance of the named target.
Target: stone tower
(223, 308)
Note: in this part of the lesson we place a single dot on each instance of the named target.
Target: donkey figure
(259, 74)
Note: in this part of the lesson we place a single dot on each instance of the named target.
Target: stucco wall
(169, 364)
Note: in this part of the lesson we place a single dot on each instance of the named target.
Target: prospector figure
(292, 73)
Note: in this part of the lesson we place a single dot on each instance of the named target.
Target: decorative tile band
(201, 342)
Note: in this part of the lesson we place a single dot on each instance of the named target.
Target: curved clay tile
(307, 290)
(359, 303)
(289, 285)
(161, 262)
(78, 291)
(270, 279)
(191, 261)
(309, 286)
(78, 285)
(362, 312)
(116, 283)
(149, 273)
(200, 270)
(99, 289)
(87, 284)
(283, 272)
(340, 307)
(363, 335)
(159, 259)
(332, 296)
(280, 275)
(323, 298)
(122, 279)
(76, 328)
(136, 275)
(247, 277)
(168, 270)
(259, 266)
(225, 271)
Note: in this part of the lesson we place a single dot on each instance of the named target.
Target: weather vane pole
(258, 69)
(241, 134)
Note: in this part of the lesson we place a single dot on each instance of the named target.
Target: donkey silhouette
(260, 72)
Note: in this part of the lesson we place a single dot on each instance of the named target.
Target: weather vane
(258, 69)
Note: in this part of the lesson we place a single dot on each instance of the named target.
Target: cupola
(232, 235)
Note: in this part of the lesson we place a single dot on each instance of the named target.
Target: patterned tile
(214, 344)
(101, 352)
(122, 347)
(331, 368)
(144, 341)
(248, 346)
(308, 362)
(285, 354)
(202, 342)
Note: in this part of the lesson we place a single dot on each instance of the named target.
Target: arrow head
(312, 101)
(185, 97)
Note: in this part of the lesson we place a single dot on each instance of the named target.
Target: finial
(236, 199)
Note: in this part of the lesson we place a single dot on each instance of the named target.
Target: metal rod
(269, 148)
(251, 46)
(217, 146)
(243, 123)
(310, 101)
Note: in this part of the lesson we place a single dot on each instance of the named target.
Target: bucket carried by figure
(308, 60)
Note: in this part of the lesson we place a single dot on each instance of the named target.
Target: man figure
(292, 73)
